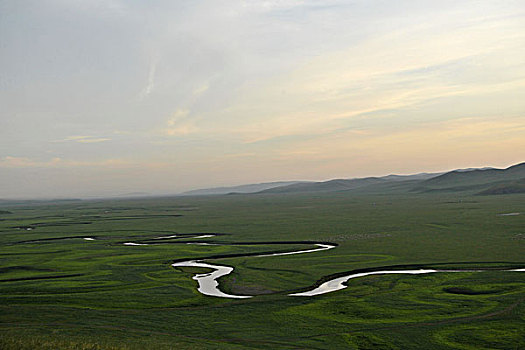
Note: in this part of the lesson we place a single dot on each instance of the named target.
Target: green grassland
(59, 291)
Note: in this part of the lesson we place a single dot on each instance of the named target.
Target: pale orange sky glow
(101, 98)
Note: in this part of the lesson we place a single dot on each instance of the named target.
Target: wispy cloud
(93, 140)
(179, 124)
(275, 87)
(23, 162)
(151, 79)
(178, 116)
(84, 139)
(179, 130)
(399, 70)
(420, 143)
(201, 89)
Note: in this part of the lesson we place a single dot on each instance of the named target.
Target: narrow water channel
(209, 285)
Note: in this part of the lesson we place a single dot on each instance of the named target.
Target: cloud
(433, 139)
(179, 124)
(201, 89)
(398, 70)
(183, 129)
(93, 140)
(151, 79)
(178, 116)
(21, 162)
(342, 82)
(60, 163)
(84, 139)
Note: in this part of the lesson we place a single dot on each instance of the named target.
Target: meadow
(61, 291)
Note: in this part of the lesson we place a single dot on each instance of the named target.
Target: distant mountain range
(483, 181)
(486, 181)
(471, 181)
(251, 188)
(345, 185)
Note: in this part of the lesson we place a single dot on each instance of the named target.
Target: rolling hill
(251, 188)
(486, 181)
(480, 180)
(506, 188)
(369, 183)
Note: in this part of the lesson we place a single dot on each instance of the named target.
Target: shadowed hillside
(473, 180)
(506, 188)
(327, 186)
(367, 183)
(484, 181)
(238, 189)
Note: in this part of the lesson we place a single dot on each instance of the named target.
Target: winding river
(209, 285)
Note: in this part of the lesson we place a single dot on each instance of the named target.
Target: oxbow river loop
(209, 284)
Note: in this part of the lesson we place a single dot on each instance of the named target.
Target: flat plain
(60, 290)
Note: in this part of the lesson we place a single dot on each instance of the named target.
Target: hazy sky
(102, 97)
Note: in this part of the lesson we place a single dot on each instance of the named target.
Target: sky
(108, 97)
